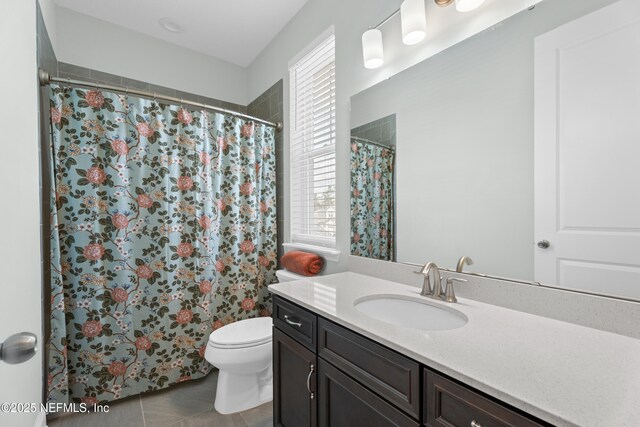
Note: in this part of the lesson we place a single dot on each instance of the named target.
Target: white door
(20, 265)
(587, 153)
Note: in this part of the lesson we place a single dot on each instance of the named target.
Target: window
(313, 148)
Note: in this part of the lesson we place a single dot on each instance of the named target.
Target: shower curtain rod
(368, 141)
(45, 79)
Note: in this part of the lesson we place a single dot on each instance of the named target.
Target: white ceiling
(233, 30)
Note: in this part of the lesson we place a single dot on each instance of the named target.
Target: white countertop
(562, 373)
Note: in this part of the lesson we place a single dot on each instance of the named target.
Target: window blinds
(312, 152)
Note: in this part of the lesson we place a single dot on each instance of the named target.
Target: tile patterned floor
(183, 405)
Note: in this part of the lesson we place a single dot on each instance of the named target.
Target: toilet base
(236, 392)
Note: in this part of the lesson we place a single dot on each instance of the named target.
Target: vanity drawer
(448, 403)
(296, 321)
(385, 372)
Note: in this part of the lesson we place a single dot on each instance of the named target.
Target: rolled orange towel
(304, 263)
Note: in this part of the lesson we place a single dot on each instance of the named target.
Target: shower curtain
(163, 229)
(372, 201)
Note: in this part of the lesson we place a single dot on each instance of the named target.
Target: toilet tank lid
(286, 275)
(249, 331)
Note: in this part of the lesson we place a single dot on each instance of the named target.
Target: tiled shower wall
(382, 131)
(269, 106)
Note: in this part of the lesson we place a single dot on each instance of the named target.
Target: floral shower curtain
(163, 229)
(372, 201)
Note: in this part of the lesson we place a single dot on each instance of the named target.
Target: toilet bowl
(242, 353)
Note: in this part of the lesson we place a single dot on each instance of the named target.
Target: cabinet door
(343, 402)
(392, 376)
(294, 383)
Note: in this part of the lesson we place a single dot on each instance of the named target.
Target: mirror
(373, 219)
(467, 137)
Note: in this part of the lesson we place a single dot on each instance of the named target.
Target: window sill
(329, 254)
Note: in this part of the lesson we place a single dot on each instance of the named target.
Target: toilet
(242, 351)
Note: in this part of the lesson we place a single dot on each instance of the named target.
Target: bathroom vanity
(335, 364)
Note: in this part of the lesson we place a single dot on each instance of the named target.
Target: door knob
(544, 244)
(18, 348)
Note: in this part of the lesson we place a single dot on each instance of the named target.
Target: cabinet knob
(474, 423)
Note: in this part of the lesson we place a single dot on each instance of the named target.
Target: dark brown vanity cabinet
(327, 375)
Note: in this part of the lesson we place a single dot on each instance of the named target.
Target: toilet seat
(242, 334)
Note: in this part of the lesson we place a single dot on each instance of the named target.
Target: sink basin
(410, 313)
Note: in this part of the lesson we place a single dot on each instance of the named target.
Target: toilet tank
(287, 276)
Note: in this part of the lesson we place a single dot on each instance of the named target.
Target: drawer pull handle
(291, 322)
(474, 423)
(312, 369)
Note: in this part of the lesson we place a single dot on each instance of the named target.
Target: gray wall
(465, 145)
(100, 45)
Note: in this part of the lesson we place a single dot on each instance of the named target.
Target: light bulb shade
(468, 5)
(372, 51)
(413, 21)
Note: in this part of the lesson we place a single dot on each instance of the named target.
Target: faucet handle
(449, 294)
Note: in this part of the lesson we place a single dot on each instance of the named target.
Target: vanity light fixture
(413, 21)
(372, 50)
(468, 5)
(414, 27)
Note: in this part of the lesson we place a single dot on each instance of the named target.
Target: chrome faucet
(434, 291)
(461, 263)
